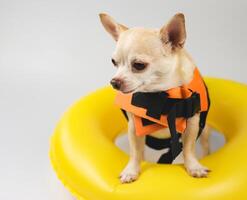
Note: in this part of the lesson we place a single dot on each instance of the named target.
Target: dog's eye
(138, 66)
(114, 62)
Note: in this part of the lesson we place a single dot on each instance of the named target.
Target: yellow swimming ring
(88, 163)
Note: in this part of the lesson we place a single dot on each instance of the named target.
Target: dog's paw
(197, 170)
(128, 177)
(129, 174)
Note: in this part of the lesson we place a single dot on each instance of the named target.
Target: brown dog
(150, 60)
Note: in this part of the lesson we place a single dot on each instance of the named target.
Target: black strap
(185, 108)
(158, 103)
(176, 148)
(159, 144)
(153, 102)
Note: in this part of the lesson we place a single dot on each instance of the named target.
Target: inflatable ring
(88, 162)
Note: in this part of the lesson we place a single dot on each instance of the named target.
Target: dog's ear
(111, 26)
(174, 32)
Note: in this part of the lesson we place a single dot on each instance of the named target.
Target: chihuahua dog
(150, 60)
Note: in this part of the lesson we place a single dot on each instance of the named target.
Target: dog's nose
(116, 83)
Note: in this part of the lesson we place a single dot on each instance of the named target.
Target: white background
(53, 52)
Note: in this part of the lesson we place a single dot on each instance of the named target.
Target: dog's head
(147, 59)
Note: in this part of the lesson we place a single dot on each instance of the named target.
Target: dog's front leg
(192, 165)
(136, 144)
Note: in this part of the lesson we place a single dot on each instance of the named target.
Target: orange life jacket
(185, 91)
(171, 108)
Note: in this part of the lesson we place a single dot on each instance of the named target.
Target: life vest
(167, 109)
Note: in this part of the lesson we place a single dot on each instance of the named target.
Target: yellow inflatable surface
(88, 162)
